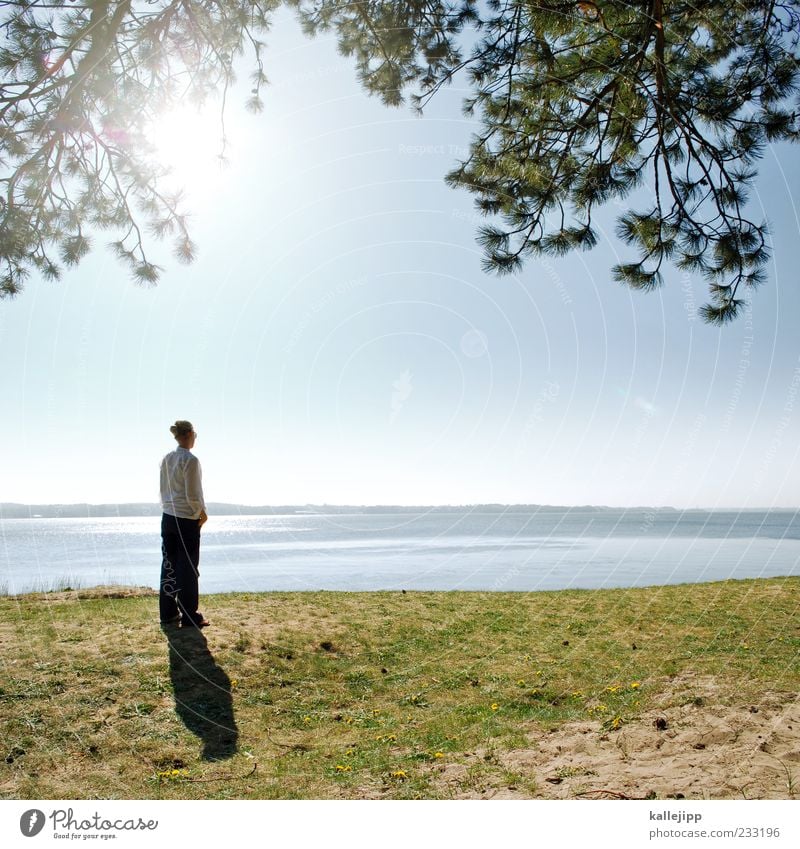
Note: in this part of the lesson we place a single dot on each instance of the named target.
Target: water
(429, 550)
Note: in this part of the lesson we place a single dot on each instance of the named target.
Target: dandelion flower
(386, 738)
(173, 774)
(635, 685)
(495, 706)
(399, 773)
(438, 754)
(343, 768)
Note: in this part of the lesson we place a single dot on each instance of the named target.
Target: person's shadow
(202, 693)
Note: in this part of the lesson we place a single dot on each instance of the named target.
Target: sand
(705, 748)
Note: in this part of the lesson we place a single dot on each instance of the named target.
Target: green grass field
(352, 695)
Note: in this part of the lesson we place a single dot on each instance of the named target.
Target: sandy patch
(703, 748)
(89, 593)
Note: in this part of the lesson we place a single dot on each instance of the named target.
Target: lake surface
(419, 550)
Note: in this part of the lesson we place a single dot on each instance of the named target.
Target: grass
(65, 583)
(351, 695)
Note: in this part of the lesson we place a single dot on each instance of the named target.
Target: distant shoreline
(13, 510)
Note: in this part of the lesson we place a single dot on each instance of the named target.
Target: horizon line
(462, 506)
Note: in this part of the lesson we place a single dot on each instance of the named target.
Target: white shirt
(182, 485)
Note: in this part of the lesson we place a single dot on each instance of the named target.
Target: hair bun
(181, 428)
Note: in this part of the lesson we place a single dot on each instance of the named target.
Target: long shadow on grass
(202, 693)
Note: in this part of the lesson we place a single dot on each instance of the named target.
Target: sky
(336, 340)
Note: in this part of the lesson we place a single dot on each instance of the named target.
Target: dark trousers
(180, 556)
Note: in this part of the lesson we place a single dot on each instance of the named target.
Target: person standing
(184, 513)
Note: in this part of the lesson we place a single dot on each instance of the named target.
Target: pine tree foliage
(394, 44)
(81, 82)
(580, 104)
(583, 103)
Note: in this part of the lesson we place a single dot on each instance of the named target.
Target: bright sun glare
(189, 142)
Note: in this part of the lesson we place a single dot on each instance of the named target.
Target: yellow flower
(343, 768)
(386, 738)
(438, 754)
(521, 683)
(306, 719)
(173, 774)
(234, 682)
(495, 706)
(375, 712)
(635, 685)
(612, 689)
(399, 773)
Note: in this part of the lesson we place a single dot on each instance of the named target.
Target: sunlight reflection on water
(416, 550)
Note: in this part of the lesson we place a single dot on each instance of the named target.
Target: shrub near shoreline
(392, 695)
